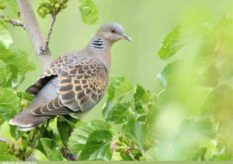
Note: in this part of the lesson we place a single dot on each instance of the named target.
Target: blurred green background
(147, 22)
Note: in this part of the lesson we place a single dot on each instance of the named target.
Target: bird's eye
(113, 30)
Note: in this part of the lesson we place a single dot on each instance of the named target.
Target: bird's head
(112, 32)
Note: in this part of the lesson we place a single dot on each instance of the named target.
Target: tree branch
(46, 48)
(66, 154)
(32, 28)
(13, 22)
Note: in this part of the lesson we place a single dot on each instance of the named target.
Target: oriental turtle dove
(74, 82)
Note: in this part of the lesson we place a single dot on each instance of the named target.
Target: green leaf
(222, 157)
(118, 101)
(117, 113)
(126, 156)
(135, 130)
(171, 44)
(25, 99)
(5, 74)
(13, 64)
(15, 133)
(98, 146)
(49, 147)
(65, 125)
(200, 155)
(80, 135)
(9, 103)
(5, 38)
(88, 10)
(4, 153)
(119, 87)
(141, 94)
(169, 74)
(39, 156)
(142, 99)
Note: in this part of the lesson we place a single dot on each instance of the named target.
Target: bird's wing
(82, 83)
(54, 107)
(49, 74)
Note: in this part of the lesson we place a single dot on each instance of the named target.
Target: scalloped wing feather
(82, 83)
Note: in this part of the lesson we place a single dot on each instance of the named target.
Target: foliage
(14, 65)
(123, 130)
(4, 154)
(112, 138)
(9, 103)
(192, 93)
(51, 7)
(87, 9)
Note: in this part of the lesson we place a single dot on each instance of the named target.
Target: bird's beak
(125, 37)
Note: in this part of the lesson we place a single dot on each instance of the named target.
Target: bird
(74, 82)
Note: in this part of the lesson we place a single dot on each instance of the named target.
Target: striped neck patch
(98, 43)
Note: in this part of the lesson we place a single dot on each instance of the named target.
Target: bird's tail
(25, 120)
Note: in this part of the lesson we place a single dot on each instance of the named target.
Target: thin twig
(33, 137)
(13, 22)
(66, 154)
(46, 48)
